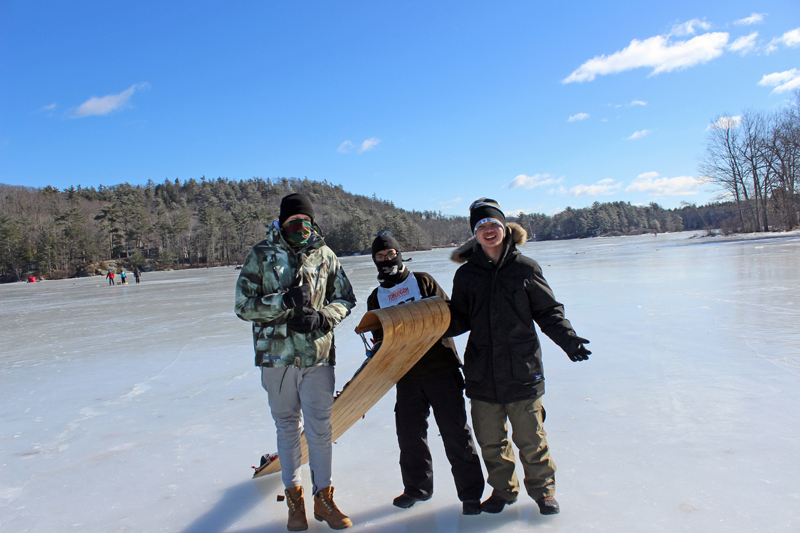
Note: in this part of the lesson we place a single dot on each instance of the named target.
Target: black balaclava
(388, 271)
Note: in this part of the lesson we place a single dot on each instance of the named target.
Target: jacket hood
(516, 233)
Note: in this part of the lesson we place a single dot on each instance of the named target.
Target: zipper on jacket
(507, 247)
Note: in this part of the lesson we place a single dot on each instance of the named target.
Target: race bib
(407, 291)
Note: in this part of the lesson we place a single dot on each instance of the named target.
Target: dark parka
(498, 305)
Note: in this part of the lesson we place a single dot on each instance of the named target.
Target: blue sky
(427, 104)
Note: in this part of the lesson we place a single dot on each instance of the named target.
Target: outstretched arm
(549, 315)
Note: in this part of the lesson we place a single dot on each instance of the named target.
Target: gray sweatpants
(291, 391)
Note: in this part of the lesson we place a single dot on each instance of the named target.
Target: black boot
(471, 507)
(405, 501)
(548, 505)
(495, 504)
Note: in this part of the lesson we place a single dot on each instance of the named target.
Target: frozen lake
(138, 408)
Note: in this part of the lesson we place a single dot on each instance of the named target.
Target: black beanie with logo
(484, 208)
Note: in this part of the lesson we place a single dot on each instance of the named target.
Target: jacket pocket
(476, 361)
(525, 366)
(522, 307)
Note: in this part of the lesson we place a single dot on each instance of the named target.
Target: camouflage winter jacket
(269, 269)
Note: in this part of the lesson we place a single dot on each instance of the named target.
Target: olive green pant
(490, 421)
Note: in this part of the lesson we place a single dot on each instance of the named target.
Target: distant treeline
(57, 233)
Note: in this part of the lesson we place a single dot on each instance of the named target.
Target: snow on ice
(138, 408)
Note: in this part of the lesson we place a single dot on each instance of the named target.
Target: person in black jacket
(435, 381)
(498, 294)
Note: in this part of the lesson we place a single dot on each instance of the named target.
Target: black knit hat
(384, 241)
(485, 208)
(295, 204)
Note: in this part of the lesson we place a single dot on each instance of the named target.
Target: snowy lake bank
(138, 408)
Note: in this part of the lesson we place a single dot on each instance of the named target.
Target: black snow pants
(444, 393)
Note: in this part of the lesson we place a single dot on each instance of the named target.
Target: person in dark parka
(435, 381)
(498, 294)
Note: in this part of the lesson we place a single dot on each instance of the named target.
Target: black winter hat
(295, 204)
(384, 241)
(484, 208)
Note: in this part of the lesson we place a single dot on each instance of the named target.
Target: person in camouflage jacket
(294, 290)
(269, 270)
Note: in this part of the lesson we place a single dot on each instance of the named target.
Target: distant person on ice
(294, 290)
(137, 274)
(498, 294)
(110, 277)
(123, 278)
(435, 381)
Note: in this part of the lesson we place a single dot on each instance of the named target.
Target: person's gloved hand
(297, 296)
(576, 349)
(307, 320)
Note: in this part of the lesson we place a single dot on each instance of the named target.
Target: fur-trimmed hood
(515, 234)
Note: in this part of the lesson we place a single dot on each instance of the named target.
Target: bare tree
(722, 164)
(755, 164)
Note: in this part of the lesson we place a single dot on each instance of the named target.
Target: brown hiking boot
(326, 510)
(297, 509)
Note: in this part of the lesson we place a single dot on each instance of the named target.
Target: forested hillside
(56, 234)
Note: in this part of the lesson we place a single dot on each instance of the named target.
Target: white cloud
(725, 123)
(560, 190)
(368, 144)
(639, 135)
(345, 147)
(606, 186)
(791, 39)
(579, 116)
(106, 104)
(688, 28)
(450, 204)
(658, 53)
(530, 182)
(754, 18)
(650, 183)
(744, 44)
(638, 102)
(782, 81)
(47, 110)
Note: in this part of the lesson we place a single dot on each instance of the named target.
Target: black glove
(576, 349)
(310, 320)
(298, 296)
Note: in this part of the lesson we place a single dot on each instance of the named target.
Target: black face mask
(390, 269)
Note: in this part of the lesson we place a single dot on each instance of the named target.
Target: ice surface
(138, 408)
